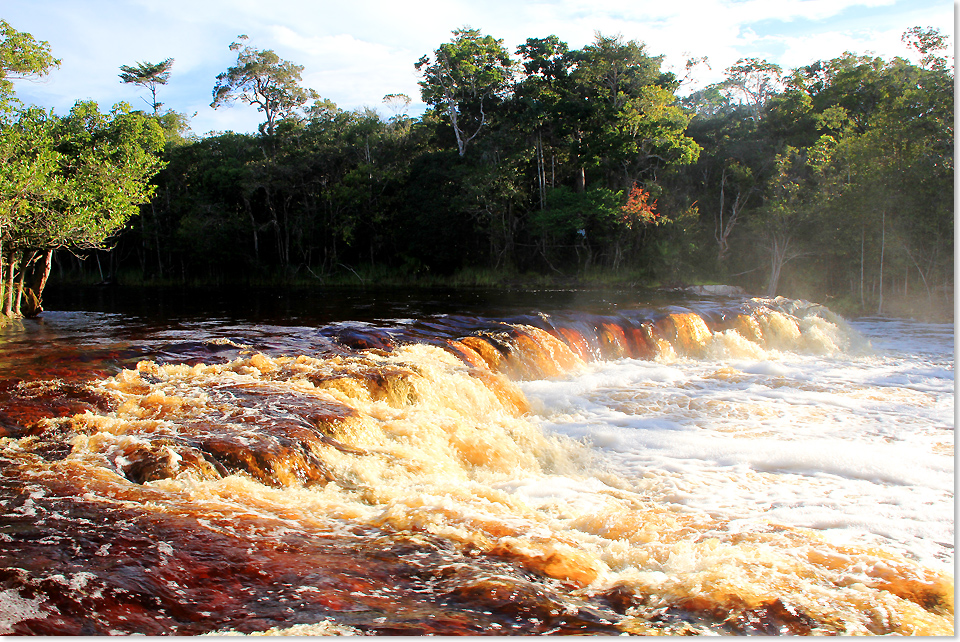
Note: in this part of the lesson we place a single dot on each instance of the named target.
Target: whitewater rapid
(855, 443)
(751, 467)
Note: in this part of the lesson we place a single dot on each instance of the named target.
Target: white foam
(860, 445)
(771, 368)
(15, 608)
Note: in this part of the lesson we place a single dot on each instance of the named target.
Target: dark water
(315, 306)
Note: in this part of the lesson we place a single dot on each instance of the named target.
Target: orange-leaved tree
(637, 209)
(634, 217)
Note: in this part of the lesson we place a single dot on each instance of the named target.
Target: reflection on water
(469, 463)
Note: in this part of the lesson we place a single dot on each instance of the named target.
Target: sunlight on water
(793, 431)
(770, 472)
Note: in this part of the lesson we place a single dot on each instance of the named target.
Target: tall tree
(630, 122)
(149, 76)
(399, 106)
(754, 81)
(789, 205)
(25, 159)
(544, 109)
(464, 77)
(263, 79)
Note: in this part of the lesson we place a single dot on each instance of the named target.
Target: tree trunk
(45, 272)
(452, 112)
(777, 254)
(923, 277)
(863, 237)
(581, 180)
(25, 260)
(38, 281)
(780, 255)
(580, 185)
(156, 238)
(541, 172)
(254, 229)
(11, 268)
(883, 241)
(718, 224)
(3, 282)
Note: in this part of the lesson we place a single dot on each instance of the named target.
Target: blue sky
(354, 53)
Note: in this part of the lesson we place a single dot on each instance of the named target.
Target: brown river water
(445, 463)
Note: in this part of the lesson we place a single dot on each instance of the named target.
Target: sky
(355, 53)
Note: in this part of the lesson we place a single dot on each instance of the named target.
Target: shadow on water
(313, 306)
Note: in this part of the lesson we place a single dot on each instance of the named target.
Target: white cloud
(355, 53)
(358, 72)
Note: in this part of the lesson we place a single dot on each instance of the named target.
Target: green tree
(464, 78)
(149, 76)
(545, 112)
(25, 159)
(263, 79)
(69, 182)
(601, 118)
(887, 177)
(928, 42)
(727, 178)
(629, 124)
(577, 221)
(202, 222)
(22, 56)
(790, 204)
(754, 81)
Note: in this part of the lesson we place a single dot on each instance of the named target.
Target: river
(472, 462)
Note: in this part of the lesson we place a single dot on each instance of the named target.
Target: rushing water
(475, 463)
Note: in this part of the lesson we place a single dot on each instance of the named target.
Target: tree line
(834, 179)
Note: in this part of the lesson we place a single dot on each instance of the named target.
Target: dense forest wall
(833, 181)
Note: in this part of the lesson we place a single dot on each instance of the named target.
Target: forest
(832, 182)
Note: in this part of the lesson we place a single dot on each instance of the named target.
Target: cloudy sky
(355, 52)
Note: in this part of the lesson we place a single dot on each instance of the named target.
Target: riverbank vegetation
(832, 181)
(66, 182)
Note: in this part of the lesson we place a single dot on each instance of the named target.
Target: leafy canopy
(74, 181)
(148, 75)
(22, 56)
(464, 76)
(263, 79)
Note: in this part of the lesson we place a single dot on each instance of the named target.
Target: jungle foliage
(69, 181)
(830, 181)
